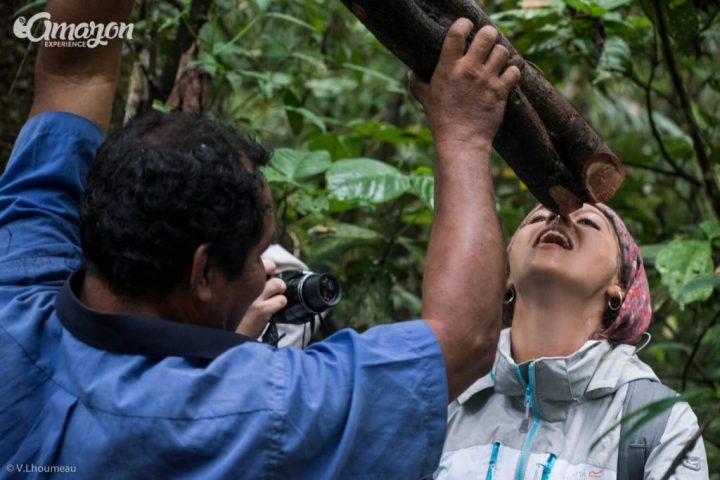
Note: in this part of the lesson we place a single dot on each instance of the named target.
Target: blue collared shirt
(130, 397)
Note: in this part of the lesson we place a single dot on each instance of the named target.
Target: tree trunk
(548, 144)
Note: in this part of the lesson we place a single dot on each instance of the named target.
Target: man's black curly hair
(160, 187)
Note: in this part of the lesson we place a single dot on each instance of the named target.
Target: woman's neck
(552, 325)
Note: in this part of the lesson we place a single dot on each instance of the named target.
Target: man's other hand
(270, 301)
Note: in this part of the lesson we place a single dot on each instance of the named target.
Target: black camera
(308, 294)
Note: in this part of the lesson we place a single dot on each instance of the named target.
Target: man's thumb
(418, 87)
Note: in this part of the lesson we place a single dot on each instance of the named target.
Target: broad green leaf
(273, 176)
(297, 164)
(291, 19)
(381, 131)
(682, 261)
(331, 87)
(365, 180)
(649, 252)
(711, 228)
(309, 116)
(316, 61)
(312, 205)
(613, 4)
(262, 4)
(424, 187)
(393, 85)
(331, 242)
(700, 284)
(589, 7)
(615, 60)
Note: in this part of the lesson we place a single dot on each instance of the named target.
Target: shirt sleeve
(365, 406)
(40, 193)
(681, 426)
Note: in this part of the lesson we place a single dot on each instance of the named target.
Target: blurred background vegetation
(351, 171)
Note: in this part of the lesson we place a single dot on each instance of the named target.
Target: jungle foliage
(351, 170)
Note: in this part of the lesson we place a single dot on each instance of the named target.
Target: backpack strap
(635, 449)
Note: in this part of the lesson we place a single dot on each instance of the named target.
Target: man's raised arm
(463, 283)
(80, 80)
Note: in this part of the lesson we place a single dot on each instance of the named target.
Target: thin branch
(711, 186)
(658, 170)
(395, 236)
(695, 349)
(20, 69)
(710, 21)
(653, 127)
(689, 445)
(642, 84)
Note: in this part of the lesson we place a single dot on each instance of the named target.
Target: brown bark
(569, 163)
(193, 86)
(184, 39)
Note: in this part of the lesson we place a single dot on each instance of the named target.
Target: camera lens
(321, 291)
(328, 289)
(307, 294)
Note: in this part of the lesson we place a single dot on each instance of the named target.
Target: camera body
(308, 294)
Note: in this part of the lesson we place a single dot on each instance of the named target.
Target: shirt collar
(137, 334)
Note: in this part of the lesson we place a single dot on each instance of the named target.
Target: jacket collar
(137, 334)
(595, 370)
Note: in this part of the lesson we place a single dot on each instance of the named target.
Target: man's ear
(201, 274)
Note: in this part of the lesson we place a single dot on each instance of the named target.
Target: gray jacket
(538, 420)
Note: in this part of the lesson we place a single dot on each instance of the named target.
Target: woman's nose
(556, 218)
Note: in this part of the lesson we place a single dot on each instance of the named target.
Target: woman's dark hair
(160, 187)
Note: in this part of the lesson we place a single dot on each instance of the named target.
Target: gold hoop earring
(615, 307)
(509, 296)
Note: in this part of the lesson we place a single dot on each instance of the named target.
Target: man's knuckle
(468, 74)
(455, 33)
(487, 35)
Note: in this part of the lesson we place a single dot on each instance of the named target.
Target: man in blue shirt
(127, 263)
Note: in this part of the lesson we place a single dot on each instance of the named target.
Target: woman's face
(579, 251)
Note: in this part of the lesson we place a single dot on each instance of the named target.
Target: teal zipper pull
(493, 461)
(547, 468)
(525, 424)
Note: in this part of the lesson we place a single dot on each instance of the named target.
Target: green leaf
(613, 4)
(273, 176)
(161, 106)
(649, 252)
(297, 164)
(309, 116)
(289, 18)
(711, 228)
(331, 87)
(393, 85)
(616, 59)
(700, 284)
(312, 205)
(589, 7)
(36, 4)
(334, 241)
(635, 420)
(682, 261)
(381, 131)
(424, 187)
(364, 180)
